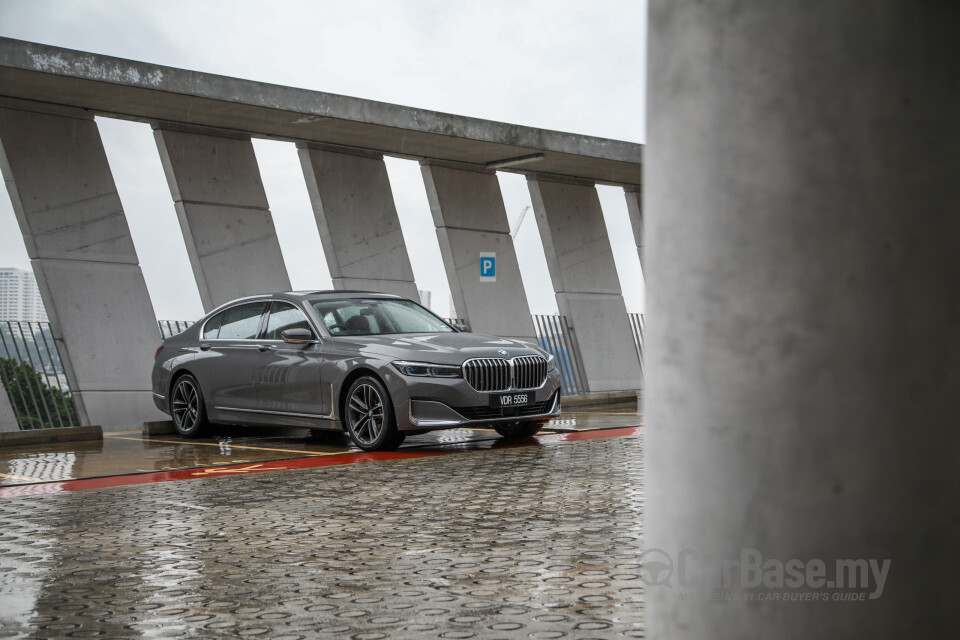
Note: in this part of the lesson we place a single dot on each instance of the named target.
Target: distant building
(426, 297)
(453, 310)
(20, 297)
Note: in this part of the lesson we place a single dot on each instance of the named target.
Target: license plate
(513, 399)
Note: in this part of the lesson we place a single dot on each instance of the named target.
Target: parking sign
(488, 267)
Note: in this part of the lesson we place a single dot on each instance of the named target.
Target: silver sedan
(378, 366)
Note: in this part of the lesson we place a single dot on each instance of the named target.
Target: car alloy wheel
(369, 416)
(366, 414)
(186, 406)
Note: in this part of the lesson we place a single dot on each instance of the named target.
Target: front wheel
(516, 430)
(187, 408)
(368, 416)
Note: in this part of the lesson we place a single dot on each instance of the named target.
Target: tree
(37, 404)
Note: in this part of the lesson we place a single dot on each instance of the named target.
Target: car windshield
(373, 316)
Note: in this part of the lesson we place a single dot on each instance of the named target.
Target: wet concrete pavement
(534, 541)
(129, 452)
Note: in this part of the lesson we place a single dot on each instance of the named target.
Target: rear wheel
(368, 416)
(515, 430)
(187, 408)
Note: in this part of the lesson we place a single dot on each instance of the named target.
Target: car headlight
(427, 369)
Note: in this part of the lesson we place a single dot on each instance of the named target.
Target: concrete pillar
(223, 212)
(8, 419)
(86, 266)
(468, 211)
(358, 222)
(585, 280)
(634, 197)
(803, 357)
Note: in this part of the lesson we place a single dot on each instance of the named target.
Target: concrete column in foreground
(585, 280)
(634, 195)
(357, 219)
(77, 237)
(471, 221)
(223, 212)
(803, 361)
(8, 419)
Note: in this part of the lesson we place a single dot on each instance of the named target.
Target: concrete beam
(358, 222)
(77, 237)
(634, 196)
(470, 218)
(154, 93)
(224, 215)
(585, 280)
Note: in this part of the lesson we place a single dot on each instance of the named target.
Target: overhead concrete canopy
(152, 93)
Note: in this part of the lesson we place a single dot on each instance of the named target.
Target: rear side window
(285, 316)
(240, 323)
(212, 328)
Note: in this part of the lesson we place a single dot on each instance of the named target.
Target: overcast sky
(569, 66)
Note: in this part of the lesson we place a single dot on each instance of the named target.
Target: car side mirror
(461, 327)
(298, 336)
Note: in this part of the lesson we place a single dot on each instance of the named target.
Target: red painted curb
(283, 465)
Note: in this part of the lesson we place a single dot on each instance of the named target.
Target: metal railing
(555, 337)
(31, 372)
(170, 328)
(636, 326)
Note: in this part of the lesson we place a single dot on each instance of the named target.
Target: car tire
(187, 407)
(368, 416)
(516, 430)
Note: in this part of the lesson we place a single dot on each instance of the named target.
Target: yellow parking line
(236, 446)
(25, 478)
(110, 433)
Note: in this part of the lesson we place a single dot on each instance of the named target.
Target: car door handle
(205, 347)
(264, 347)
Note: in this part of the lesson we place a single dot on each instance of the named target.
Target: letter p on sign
(488, 267)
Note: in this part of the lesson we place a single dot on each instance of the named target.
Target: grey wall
(470, 218)
(357, 219)
(224, 215)
(76, 235)
(585, 280)
(803, 261)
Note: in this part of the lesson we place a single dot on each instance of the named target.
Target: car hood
(439, 348)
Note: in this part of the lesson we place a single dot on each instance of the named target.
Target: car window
(212, 328)
(241, 322)
(284, 316)
(358, 317)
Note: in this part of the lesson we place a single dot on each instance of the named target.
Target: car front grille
(529, 372)
(498, 374)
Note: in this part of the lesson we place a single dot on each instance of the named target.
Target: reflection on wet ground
(505, 542)
(128, 452)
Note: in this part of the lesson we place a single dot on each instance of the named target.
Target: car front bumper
(443, 403)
